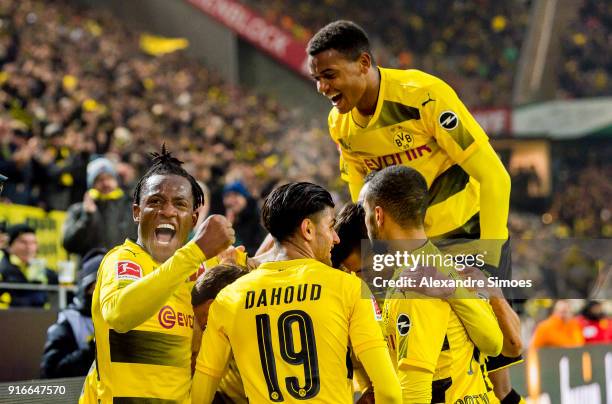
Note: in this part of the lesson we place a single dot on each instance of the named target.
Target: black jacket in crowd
(23, 298)
(249, 231)
(70, 348)
(106, 228)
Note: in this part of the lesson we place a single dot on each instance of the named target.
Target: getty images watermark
(518, 269)
(416, 263)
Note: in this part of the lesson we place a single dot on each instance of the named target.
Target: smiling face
(324, 236)
(341, 80)
(165, 215)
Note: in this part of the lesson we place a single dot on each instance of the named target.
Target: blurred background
(89, 87)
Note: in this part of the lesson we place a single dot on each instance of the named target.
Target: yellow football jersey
(151, 361)
(290, 324)
(426, 333)
(419, 122)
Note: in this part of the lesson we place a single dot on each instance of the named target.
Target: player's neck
(291, 250)
(408, 238)
(367, 105)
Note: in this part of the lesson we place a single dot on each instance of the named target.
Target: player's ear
(194, 217)
(136, 212)
(379, 214)
(307, 229)
(365, 62)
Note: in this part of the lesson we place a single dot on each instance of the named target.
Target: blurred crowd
(478, 59)
(75, 85)
(587, 64)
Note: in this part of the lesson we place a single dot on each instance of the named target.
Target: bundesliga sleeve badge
(128, 270)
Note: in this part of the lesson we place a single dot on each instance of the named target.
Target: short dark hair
(402, 192)
(351, 229)
(288, 205)
(17, 230)
(211, 282)
(165, 164)
(344, 36)
(369, 176)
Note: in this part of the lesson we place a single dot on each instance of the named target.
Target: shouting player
(141, 307)
(383, 117)
(301, 313)
(434, 351)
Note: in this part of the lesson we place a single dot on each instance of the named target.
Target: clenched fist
(214, 235)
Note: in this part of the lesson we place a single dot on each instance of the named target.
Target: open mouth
(164, 233)
(336, 99)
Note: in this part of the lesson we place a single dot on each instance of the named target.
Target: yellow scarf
(97, 196)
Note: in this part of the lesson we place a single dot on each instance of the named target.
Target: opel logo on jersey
(403, 324)
(402, 138)
(168, 318)
(448, 120)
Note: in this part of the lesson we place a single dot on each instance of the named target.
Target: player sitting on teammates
(296, 297)
(205, 290)
(433, 349)
(141, 304)
(383, 117)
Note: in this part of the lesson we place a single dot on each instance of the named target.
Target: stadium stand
(478, 59)
(76, 84)
(586, 59)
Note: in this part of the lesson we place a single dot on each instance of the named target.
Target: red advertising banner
(252, 27)
(494, 121)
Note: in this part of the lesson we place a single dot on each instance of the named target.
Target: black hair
(211, 282)
(369, 176)
(288, 205)
(17, 230)
(351, 229)
(402, 192)
(344, 36)
(164, 164)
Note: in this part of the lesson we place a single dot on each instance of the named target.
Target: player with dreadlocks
(141, 307)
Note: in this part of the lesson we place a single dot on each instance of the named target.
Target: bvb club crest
(402, 138)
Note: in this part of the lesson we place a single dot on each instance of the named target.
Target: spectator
(70, 348)
(3, 234)
(3, 237)
(561, 329)
(243, 213)
(104, 218)
(20, 265)
(2, 181)
(480, 60)
(596, 326)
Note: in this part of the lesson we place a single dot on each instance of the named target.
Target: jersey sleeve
(364, 329)
(420, 329)
(480, 322)
(215, 349)
(451, 124)
(110, 279)
(127, 298)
